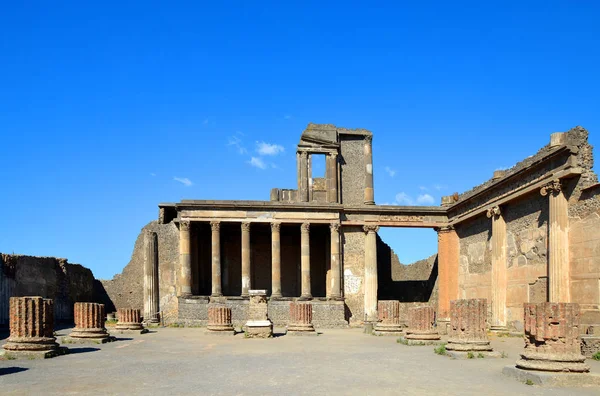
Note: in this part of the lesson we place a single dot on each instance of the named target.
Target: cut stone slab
(552, 379)
(220, 332)
(10, 355)
(259, 329)
(465, 355)
(119, 331)
(76, 340)
(410, 342)
(388, 333)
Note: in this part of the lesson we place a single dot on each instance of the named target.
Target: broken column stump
(552, 354)
(421, 327)
(467, 335)
(389, 318)
(258, 324)
(219, 320)
(32, 329)
(301, 319)
(129, 321)
(89, 325)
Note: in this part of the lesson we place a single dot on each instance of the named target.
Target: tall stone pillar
(275, 260)
(303, 191)
(332, 177)
(368, 151)
(245, 259)
(305, 260)
(151, 298)
(558, 243)
(334, 290)
(216, 258)
(448, 262)
(185, 259)
(499, 281)
(371, 273)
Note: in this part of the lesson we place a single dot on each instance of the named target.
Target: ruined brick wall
(126, 289)
(352, 169)
(48, 277)
(353, 243)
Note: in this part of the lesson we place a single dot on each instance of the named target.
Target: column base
(552, 379)
(305, 297)
(499, 329)
(335, 298)
(275, 297)
(217, 295)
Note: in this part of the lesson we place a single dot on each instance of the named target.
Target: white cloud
(257, 162)
(423, 188)
(390, 171)
(404, 199)
(237, 143)
(439, 187)
(183, 180)
(152, 174)
(263, 148)
(425, 199)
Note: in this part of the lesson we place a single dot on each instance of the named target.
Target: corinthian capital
(275, 227)
(305, 227)
(215, 226)
(553, 187)
(184, 225)
(494, 212)
(335, 227)
(246, 226)
(370, 228)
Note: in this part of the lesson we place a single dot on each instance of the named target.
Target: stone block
(590, 345)
(258, 324)
(301, 319)
(421, 324)
(467, 331)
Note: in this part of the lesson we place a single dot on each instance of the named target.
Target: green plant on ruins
(440, 349)
(596, 356)
(480, 355)
(402, 341)
(529, 382)
(470, 355)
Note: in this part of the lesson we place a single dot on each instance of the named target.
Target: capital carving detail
(370, 228)
(246, 226)
(275, 227)
(444, 229)
(335, 227)
(494, 212)
(304, 154)
(215, 226)
(184, 225)
(305, 227)
(553, 187)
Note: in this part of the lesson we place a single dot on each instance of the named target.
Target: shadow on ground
(11, 370)
(74, 351)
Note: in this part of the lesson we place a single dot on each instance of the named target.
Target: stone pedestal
(301, 319)
(421, 328)
(129, 321)
(31, 329)
(389, 318)
(258, 324)
(219, 320)
(468, 332)
(89, 325)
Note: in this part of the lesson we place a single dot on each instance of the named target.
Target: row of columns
(185, 279)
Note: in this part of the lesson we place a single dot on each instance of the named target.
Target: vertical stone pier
(245, 258)
(89, 325)
(258, 324)
(421, 326)
(305, 261)
(301, 319)
(334, 291)
(371, 273)
(275, 260)
(389, 318)
(151, 297)
(129, 321)
(448, 258)
(31, 329)
(219, 320)
(185, 259)
(468, 330)
(499, 279)
(215, 227)
(368, 152)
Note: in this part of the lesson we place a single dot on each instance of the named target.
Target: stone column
(334, 292)
(368, 151)
(219, 320)
(305, 260)
(185, 259)
(245, 259)
(468, 332)
(448, 263)
(371, 273)
(129, 321)
(151, 300)
(332, 177)
(499, 282)
(558, 243)
(31, 328)
(551, 338)
(89, 324)
(389, 318)
(301, 319)
(216, 258)
(275, 260)
(420, 324)
(303, 192)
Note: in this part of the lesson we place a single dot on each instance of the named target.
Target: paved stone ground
(338, 362)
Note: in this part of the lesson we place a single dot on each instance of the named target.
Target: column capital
(215, 225)
(370, 228)
(554, 187)
(275, 226)
(303, 154)
(246, 226)
(305, 227)
(335, 227)
(368, 139)
(444, 229)
(494, 212)
(184, 225)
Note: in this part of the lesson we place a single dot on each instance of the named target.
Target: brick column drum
(258, 324)
(551, 338)
(129, 320)
(421, 322)
(31, 328)
(300, 319)
(389, 318)
(89, 323)
(219, 320)
(468, 332)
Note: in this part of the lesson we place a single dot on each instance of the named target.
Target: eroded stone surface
(389, 318)
(301, 318)
(219, 319)
(467, 330)
(258, 324)
(421, 321)
(129, 319)
(89, 322)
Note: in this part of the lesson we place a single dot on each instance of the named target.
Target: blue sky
(107, 110)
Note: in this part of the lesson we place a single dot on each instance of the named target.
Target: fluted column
(245, 259)
(303, 192)
(558, 243)
(305, 260)
(448, 259)
(332, 177)
(499, 282)
(275, 260)
(371, 273)
(151, 277)
(185, 259)
(334, 291)
(31, 325)
(368, 152)
(216, 258)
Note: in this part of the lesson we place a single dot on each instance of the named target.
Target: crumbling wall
(353, 241)
(352, 160)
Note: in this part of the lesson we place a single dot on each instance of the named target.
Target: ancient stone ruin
(468, 330)
(421, 326)
(89, 325)
(389, 318)
(301, 319)
(219, 320)
(129, 321)
(258, 324)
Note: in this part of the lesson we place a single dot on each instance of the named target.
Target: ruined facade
(527, 235)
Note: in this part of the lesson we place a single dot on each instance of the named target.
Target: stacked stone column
(89, 324)
(151, 301)
(215, 227)
(334, 291)
(552, 338)
(421, 321)
(276, 260)
(301, 319)
(185, 259)
(389, 318)
(245, 259)
(305, 261)
(499, 277)
(219, 320)
(370, 297)
(129, 321)
(468, 332)
(31, 328)
(448, 258)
